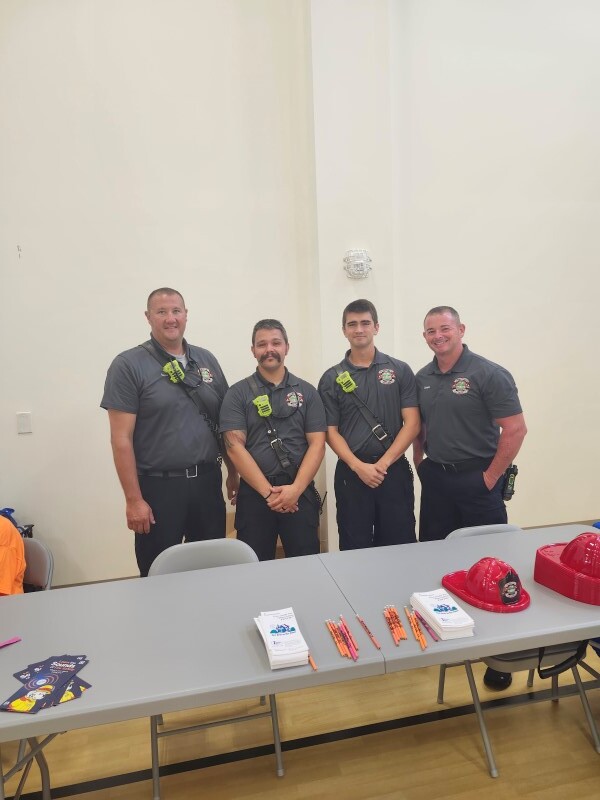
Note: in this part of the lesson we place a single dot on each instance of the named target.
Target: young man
(163, 399)
(273, 427)
(472, 428)
(372, 419)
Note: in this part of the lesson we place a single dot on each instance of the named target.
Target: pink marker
(14, 640)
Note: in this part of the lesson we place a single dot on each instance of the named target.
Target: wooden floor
(543, 750)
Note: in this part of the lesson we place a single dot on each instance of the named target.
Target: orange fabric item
(12, 558)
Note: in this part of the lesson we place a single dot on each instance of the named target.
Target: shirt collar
(460, 365)
(288, 380)
(378, 358)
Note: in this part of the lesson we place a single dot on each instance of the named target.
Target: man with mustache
(273, 427)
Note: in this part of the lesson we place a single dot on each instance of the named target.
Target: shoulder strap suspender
(283, 455)
(377, 429)
(191, 392)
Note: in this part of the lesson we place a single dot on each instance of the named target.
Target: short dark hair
(443, 310)
(358, 306)
(163, 290)
(269, 325)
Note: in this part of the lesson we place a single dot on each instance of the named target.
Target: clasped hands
(371, 474)
(283, 499)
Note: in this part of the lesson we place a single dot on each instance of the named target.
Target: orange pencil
(312, 662)
(368, 632)
(398, 621)
(342, 646)
(334, 637)
(349, 632)
(417, 632)
(391, 625)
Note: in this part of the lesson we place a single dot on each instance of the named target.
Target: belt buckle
(449, 467)
(188, 474)
(375, 432)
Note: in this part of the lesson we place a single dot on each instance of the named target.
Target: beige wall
(235, 150)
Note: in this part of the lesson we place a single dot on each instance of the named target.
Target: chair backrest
(529, 659)
(202, 555)
(475, 530)
(39, 564)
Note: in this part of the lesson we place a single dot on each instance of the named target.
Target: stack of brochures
(284, 642)
(443, 613)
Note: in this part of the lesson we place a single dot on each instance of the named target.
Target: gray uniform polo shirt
(170, 432)
(297, 410)
(386, 386)
(459, 407)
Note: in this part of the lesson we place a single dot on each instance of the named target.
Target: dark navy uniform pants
(375, 517)
(259, 527)
(451, 500)
(184, 508)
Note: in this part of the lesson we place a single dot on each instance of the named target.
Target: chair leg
(276, 737)
(530, 675)
(591, 670)
(441, 683)
(482, 727)
(159, 719)
(554, 690)
(586, 707)
(44, 771)
(22, 745)
(154, 757)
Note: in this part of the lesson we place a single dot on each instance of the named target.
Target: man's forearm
(404, 439)
(309, 466)
(340, 447)
(509, 444)
(419, 447)
(247, 467)
(124, 459)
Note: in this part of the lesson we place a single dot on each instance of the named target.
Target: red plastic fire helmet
(572, 568)
(490, 584)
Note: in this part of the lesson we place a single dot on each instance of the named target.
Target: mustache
(272, 354)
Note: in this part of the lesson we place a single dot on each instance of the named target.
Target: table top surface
(371, 579)
(180, 641)
(173, 642)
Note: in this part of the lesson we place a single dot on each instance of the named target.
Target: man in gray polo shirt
(163, 400)
(372, 418)
(273, 427)
(472, 428)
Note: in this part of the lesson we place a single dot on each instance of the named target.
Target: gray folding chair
(474, 530)
(196, 556)
(39, 564)
(551, 661)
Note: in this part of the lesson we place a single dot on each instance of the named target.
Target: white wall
(235, 150)
(498, 123)
(146, 144)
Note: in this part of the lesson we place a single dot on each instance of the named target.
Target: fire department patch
(207, 375)
(386, 376)
(461, 386)
(295, 399)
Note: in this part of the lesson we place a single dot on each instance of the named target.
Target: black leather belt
(369, 459)
(469, 465)
(186, 472)
(279, 480)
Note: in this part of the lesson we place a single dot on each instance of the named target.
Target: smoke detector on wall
(357, 263)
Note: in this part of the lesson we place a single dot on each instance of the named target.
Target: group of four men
(173, 419)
